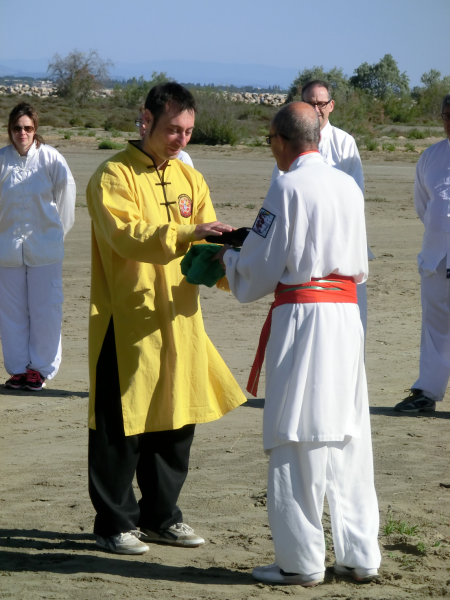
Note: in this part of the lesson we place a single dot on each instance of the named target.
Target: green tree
(334, 76)
(382, 79)
(79, 74)
(135, 91)
(431, 78)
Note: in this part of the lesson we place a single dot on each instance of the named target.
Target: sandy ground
(46, 545)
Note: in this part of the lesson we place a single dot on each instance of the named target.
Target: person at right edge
(154, 372)
(432, 203)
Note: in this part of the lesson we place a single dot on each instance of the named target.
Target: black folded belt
(233, 238)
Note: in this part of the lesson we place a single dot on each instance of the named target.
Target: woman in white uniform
(37, 209)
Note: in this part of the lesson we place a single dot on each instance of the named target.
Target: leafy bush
(371, 145)
(92, 124)
(215, 121)
(76, 122)
(118, 123)
(91, 134)
(388, 147)
(417, 134)
(52, 120)
(109, 145)
(410, 147)
(67, 135)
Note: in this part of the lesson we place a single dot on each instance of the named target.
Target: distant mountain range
(186, 71)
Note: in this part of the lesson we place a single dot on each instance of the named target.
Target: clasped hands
(216, 228)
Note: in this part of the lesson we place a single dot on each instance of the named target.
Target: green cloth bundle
(198, 267)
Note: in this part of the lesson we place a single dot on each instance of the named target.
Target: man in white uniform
(339, 150)
(309, 239)
(432, 202)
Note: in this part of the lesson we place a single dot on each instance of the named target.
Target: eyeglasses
(445, 116)
(18, 128)
(270, 136)
(320, 105)
(139, 122)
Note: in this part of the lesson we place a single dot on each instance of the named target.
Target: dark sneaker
(123, 543)
(176, 535)
(357, 573)
(416, 402)
(16, 382)
(272, 574)
(34, 381)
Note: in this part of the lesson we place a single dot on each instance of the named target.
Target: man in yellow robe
(154, 372)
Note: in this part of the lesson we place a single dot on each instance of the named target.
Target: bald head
(298, 123)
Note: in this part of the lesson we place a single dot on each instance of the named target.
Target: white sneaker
(123, 543)
(273, 574)
(179, 534)
(358, 573)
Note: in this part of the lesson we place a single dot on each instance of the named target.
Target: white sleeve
(351, 162)
(185, 158)
(64, 193)
(421, 196)
(256, 270)
(275, 174)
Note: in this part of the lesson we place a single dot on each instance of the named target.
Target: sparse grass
(409, 147)
(249, 206)
(376, 199)
(67, 135)
(109, 145)
(388, 147)
(91, 134)
(402, 527)
(422, 549)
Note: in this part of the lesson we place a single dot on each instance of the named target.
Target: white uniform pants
(30, 318)
(361, 292)
(300, 474)
(434, 370)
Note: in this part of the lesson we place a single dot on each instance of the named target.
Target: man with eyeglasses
(308, 246)
(432, 203)
(140, 124)
(339, 150)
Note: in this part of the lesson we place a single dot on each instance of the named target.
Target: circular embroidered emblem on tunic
(185, 204)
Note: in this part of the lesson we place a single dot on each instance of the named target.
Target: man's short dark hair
(318, 83)
(163, 94)
(445, 102)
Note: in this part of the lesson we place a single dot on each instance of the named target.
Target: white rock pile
(255, 98)
(23, 89)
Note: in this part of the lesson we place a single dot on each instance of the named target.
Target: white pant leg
(299, 475)
(45, 298)
(295, 493)
(434, 370)
(353, 501)
(14, 319)
(361, 292)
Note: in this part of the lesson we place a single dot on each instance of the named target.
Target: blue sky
(280, 33)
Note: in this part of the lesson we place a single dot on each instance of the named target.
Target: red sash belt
(334, 288)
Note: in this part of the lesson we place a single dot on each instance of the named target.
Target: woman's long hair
(23, 109)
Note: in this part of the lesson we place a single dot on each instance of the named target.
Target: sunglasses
(18, 128)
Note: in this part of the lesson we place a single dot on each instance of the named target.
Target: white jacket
(311, 224)
(37, 206)
(432, 202)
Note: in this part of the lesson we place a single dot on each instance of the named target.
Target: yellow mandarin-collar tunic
(170, 373)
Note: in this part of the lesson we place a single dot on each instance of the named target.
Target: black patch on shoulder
(263, 222)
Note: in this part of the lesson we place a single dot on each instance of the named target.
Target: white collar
(303, 158)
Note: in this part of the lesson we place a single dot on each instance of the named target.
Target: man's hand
(219, 255)
(215, 228)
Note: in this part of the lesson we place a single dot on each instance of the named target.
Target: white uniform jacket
(432, 202)
(338, 149)
(311, 225)
(185, 158)
(37, 206)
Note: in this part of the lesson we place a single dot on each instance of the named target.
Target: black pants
(160, 461)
